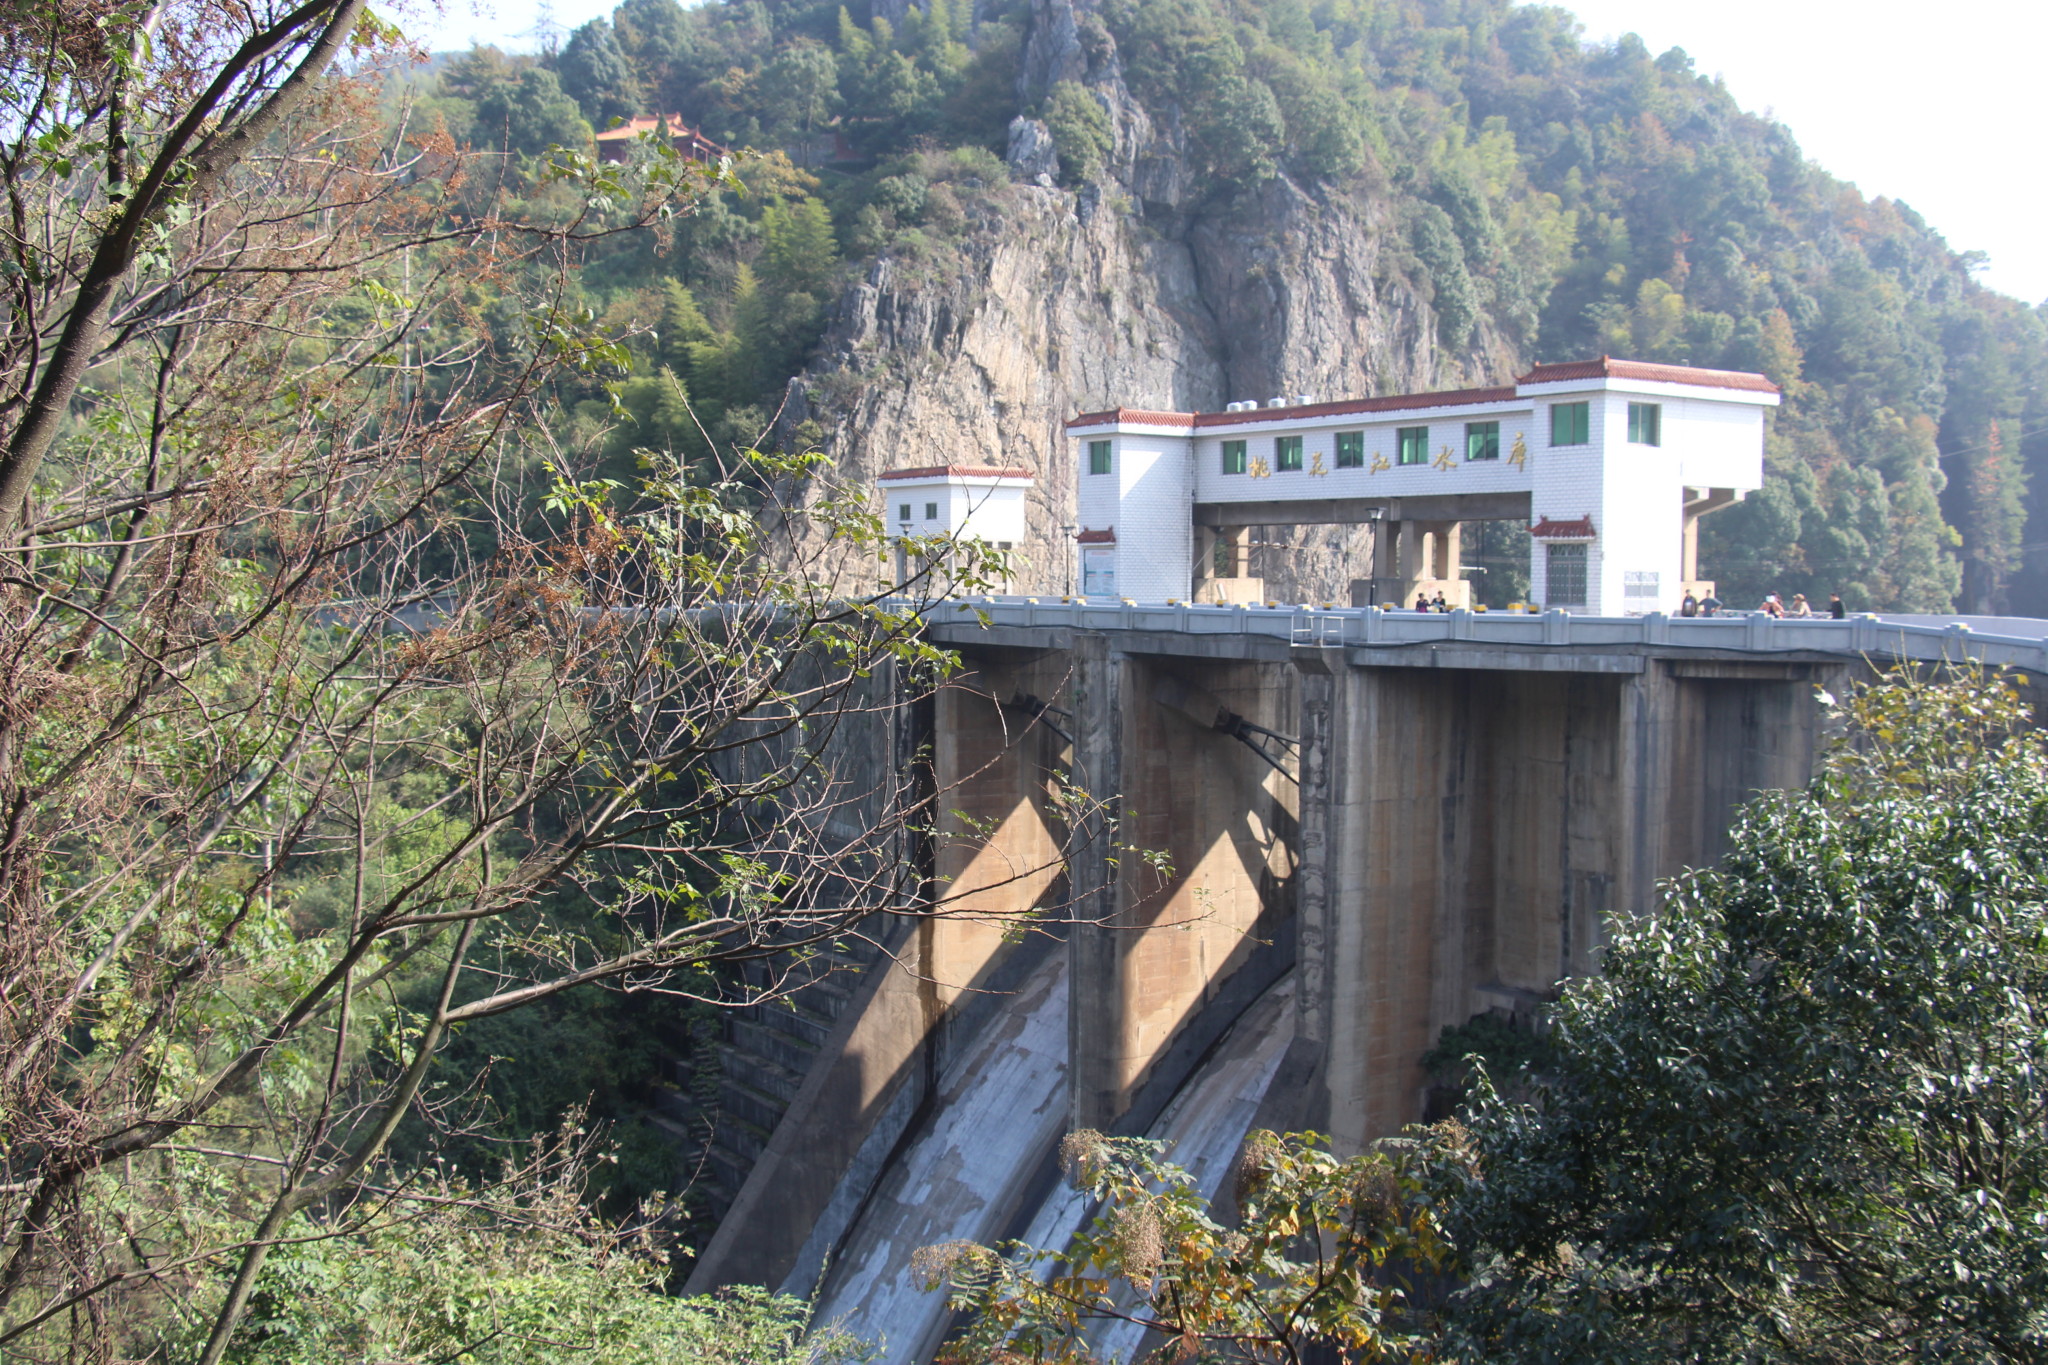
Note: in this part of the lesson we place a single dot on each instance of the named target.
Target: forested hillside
(1209, 196)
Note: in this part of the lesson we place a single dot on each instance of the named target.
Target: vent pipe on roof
(1276, 402)
(1302, 400)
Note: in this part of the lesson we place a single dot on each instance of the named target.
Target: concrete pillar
(1095, 1021)
(1448, 537)
(1224, 823)
(1386, 550)
(1324, 681)
(1239, 538)
(1206, 538)
(1477, 847)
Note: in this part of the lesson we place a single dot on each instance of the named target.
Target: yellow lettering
(1260, 469)
(1442, 460)
(1379, 462)
(1316, 466)
(1519, 456)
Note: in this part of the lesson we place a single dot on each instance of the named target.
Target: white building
(956, 502)
(1610, 462)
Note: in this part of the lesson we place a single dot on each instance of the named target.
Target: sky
(1938, 106)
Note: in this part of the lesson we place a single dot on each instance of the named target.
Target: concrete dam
(1374, 825)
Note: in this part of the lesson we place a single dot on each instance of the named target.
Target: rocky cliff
(1126, 291)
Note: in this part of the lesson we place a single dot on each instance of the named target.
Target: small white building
(1611, 463)
(957, 502)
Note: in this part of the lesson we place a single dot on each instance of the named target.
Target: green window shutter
(1098, 457)
(1482, 440)
(1413, 444)
(1350, 450)
(1646, 424)
(1286, 452)
(1571, 424)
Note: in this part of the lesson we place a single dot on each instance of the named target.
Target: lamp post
(1068, 552)
(1372, 517)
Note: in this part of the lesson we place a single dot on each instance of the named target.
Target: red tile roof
(954, 471)
(1133, 416)
(1096, 538)
(1449, 398)
(1608, 368)
(682, 136)
(1579, 528)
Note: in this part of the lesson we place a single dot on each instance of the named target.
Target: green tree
(530, 114)
(1320, 1254)
(1799, 1117)
(526, 1276)
(1443, 266)
(800, 88)
(798, 252)
(595, 73)
(352, 708)
(1080, 131)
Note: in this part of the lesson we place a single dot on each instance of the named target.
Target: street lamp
(1067, 530)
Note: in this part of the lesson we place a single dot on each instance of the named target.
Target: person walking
(1799, 607)
(1771, 606)
(1835, 607)
(1421, 602)
(1438, 603)
(1690, 606)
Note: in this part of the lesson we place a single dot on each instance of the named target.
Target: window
(1098, 457)
(931, 511)
(1571, 424)
(1646, 424)
(1286, 452)
(1482, 440)
(1350, 450)
(1639, 591)
(1412, 443)
(903, 511)
(1233, 457)
(1565, 573)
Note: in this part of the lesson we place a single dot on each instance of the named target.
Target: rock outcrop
(1126, 291)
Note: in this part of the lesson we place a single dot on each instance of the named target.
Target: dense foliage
(354, 699)
(1317, 1253)
(1800, 1117)
(1553, 199)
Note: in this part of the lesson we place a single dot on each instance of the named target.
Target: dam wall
(1161, 831)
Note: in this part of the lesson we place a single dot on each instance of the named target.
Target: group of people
(1709, 605)
(1772, 605)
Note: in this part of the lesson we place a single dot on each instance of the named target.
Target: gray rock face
(1125, 293)
(1031, 156)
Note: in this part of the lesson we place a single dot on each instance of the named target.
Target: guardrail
(1379, 627)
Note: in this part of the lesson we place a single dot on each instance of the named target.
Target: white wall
(1155, 519)
(1633, 493)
